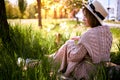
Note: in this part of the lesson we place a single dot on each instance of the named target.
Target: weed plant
(25, 43)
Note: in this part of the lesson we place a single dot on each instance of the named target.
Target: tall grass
(115, 56)
(116, 39)
(100, 73)
(25, 43)
(29, 43)
(115, 52)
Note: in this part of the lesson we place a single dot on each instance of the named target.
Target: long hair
(92, 20)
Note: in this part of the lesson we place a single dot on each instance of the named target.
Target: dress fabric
(93, 47)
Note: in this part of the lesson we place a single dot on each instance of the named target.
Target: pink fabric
(94, 46)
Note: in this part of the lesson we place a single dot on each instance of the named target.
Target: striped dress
(93, 47)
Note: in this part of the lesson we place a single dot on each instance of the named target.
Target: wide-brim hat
(97, 10)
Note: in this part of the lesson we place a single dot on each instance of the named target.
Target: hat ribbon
(96, 12)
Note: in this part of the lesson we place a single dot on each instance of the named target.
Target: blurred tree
(46, 5)
(8, 9)
(55, 4)
(32, 10)
(74, 6)
(12, 11)
(22, 6)
(55, 8)
(4, 27)
(68, 6)
(39, 13)
(50, 5)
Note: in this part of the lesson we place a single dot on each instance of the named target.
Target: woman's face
(85, 20)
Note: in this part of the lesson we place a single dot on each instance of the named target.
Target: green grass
(115, 22)
(116, 39)
(29, 41)
(25, 43)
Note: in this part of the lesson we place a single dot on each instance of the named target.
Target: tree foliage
(22, 6)
(49, 8)
(12, 11)
(32, 10)
(72, 4)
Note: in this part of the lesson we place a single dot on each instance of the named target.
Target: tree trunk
(4, 27)
(39, 13)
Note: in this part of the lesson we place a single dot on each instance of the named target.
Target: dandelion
(20, 62)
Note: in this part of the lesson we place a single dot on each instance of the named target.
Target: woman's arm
(77, 53)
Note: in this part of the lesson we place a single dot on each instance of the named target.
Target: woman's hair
(92, 20)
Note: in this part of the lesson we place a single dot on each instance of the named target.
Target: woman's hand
(76, 38)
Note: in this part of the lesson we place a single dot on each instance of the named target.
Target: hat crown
(97, 10)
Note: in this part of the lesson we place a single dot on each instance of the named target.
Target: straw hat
(97, 10)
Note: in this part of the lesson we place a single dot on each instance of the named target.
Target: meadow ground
(29, 41)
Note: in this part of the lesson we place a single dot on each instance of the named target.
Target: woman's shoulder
(94, 31)
(101, 27)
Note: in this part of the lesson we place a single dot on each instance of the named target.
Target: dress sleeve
(77, 53)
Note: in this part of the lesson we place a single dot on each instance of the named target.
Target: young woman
(93, 47)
